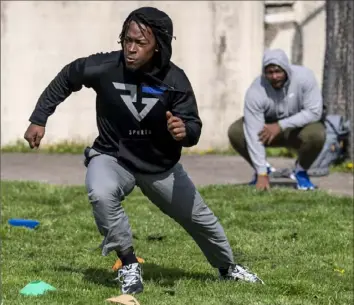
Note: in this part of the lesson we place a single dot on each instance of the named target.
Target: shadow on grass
(165, 277)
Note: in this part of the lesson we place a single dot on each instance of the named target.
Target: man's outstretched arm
(70, 79)
(253, 124)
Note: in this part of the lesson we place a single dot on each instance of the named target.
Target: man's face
(139, 46)
(275, 75)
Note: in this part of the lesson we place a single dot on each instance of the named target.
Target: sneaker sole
(301, 188)
(258, 281)
(136, 291)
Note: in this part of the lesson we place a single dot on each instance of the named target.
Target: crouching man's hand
(175, 126)
(263, 183)
(268, 133)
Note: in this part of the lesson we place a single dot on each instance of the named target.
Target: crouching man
(283, 108)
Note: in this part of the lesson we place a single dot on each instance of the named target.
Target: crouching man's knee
(314, 135)
(235, 134)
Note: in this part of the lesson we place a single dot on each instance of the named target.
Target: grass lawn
(299, 243)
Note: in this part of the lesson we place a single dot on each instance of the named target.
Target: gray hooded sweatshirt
(298, 103)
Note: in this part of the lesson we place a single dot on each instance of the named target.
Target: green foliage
(64, 147)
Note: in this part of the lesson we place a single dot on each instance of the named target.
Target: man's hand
(262, 183)
(268, 133)
(175, 126)
(34, 134)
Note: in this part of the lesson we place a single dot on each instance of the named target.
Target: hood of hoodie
(277, 57)
(163, 33)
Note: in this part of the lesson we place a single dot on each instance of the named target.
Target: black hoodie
(131, 107)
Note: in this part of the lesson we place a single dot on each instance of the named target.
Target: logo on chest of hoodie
(129, 97)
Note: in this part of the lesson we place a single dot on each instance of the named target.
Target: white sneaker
(130, 276)
(237, 272)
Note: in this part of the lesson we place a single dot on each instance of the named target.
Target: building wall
(212, 46)
(219, 45)
(310, 17)
(314, 39)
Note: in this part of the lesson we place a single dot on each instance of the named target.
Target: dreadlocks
(161, 26)
(158, 26)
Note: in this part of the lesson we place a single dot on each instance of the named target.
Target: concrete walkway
(204, 170)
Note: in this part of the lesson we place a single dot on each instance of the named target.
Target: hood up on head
(277, 57)
(162, 27)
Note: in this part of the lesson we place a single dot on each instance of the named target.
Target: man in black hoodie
(146, 112)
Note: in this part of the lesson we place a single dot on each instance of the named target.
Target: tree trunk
(338, 75)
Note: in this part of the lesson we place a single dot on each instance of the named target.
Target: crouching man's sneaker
(303, 181)
(130, 278)
(239, 273)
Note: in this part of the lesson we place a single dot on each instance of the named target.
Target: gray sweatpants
(108, 183)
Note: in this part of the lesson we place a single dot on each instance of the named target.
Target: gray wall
(219, 45)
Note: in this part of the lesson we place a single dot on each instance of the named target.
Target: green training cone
(36, 288)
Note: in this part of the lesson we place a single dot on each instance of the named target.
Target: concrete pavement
(204, 170)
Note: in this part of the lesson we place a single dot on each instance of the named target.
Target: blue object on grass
(28, 223)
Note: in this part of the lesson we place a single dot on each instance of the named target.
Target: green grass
(63, 147)
(300, 244)
(345, 167)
